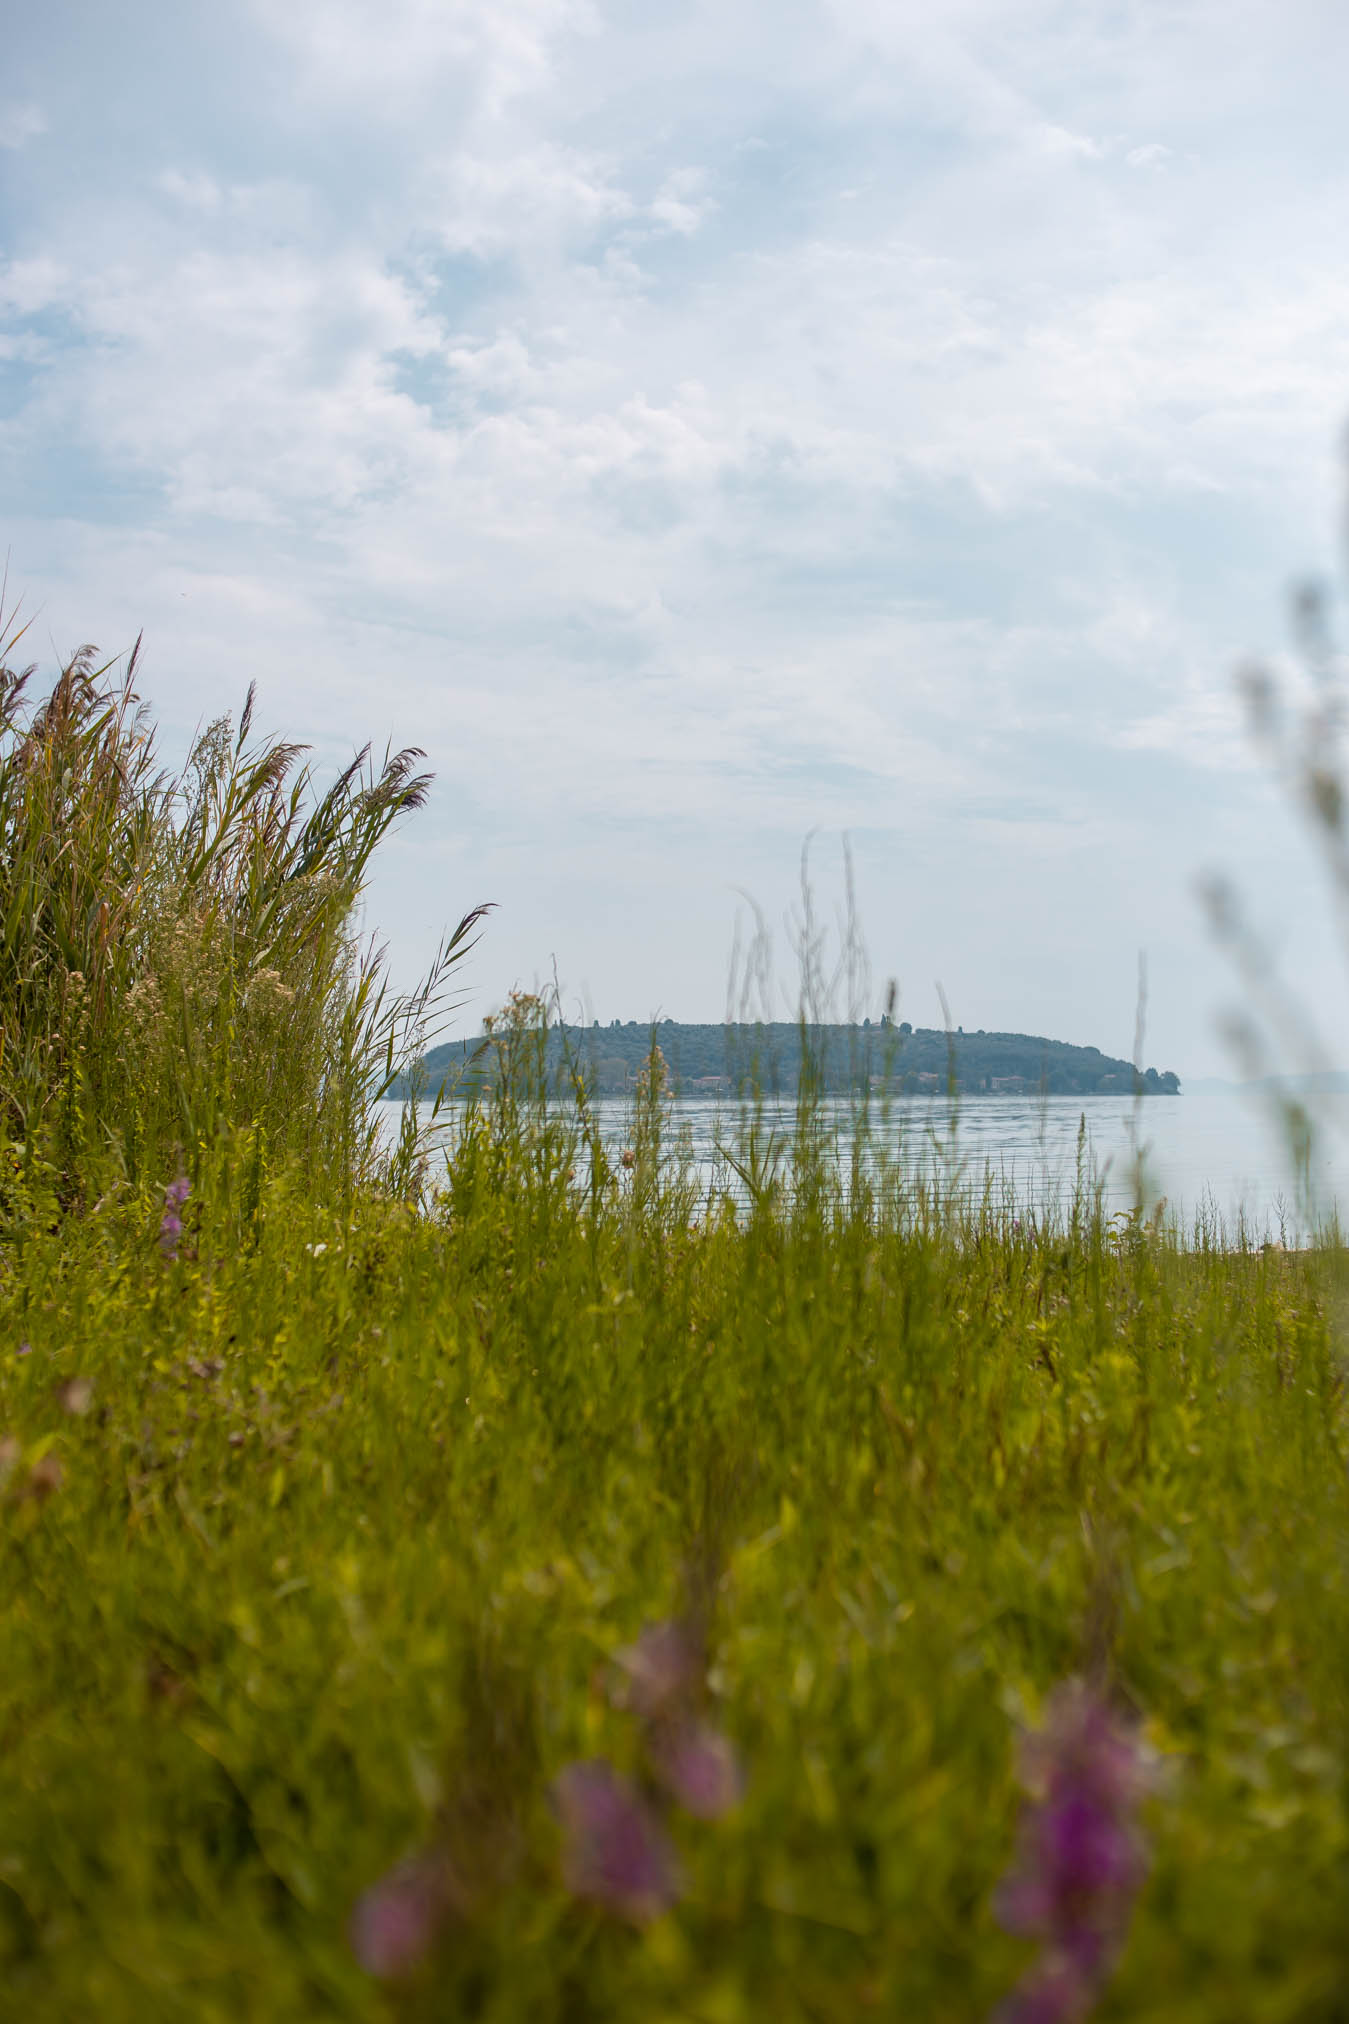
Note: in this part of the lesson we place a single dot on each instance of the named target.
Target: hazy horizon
(700, 428)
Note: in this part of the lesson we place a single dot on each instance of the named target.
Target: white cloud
(195, 191)
(27, 287)
(21, 124)
(681, 204)
(386, 60)
(518, 201)
(1056, 140)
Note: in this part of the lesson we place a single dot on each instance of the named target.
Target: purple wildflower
(76, 1396)
(1080, 1859)
(663, 1683)
(663, 1668)
(397, 1921)
(1052, 1993)
(171, 1223)
(698, 1768)
(615, 1850)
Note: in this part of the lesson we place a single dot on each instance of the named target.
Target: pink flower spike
(171, 1223)
(663, 1668)
(1052, 1993)
(396, 1922)
(699, 1769)
(615, 1851)
(1084, 1742)
(1081, 1856)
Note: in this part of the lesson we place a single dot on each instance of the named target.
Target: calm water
(1216, 1152)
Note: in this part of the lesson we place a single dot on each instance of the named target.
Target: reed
(180, 963)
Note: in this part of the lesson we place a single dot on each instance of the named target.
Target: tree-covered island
(734, 1060)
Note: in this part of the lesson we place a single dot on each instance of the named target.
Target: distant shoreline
(1323, 1082)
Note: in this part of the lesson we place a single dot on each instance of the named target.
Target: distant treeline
(737, 1060)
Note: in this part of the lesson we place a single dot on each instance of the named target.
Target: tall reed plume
(180, 959)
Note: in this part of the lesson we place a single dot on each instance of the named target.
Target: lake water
(1216, 1152)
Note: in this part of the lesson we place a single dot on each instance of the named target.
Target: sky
(704, 429)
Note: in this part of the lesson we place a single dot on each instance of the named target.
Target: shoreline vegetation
(500, 1582)
(742, 1059)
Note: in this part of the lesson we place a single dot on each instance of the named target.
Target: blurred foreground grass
(319, 1539)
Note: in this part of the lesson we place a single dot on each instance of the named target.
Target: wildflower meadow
(489, 1577)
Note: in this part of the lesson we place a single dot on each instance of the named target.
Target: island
(735, 1060)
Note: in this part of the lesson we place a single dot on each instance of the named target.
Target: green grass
(318, 1539)
(360, 1510)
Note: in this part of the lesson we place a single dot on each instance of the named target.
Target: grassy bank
(318, 1553)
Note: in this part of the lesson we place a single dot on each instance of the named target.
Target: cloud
(21, 124)
(680, 204)
(27, 287)
(384, 61)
